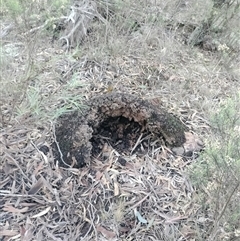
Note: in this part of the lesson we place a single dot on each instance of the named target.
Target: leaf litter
(42, 201)
(76, 204)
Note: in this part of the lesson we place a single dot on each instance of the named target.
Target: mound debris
(123, 121)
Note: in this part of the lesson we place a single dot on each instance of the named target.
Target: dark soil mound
(119, 120)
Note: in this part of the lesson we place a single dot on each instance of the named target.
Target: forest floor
(126, 196)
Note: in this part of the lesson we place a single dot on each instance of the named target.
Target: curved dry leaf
(42, 213)
(139, 217)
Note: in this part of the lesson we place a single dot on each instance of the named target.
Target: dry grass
(108, 201)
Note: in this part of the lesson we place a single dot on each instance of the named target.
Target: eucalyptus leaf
(139, 217)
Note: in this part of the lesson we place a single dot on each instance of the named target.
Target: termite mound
(117, 119)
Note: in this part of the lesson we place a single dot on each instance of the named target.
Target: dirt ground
(120, 195)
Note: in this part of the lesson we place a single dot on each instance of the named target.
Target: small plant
(216, 177)
(37, 104)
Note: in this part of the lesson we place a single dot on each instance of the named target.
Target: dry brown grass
(107, 201)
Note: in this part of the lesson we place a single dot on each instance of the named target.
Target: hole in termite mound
(123, 135)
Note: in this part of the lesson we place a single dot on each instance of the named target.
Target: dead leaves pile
(123, 198)
(147, 198)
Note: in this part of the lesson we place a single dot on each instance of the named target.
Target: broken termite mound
(118, 119)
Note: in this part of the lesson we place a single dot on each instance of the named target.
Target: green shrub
(217, 175)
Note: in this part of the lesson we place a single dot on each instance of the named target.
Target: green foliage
(49, 107)
(14, 7)
(228, 119)
(28, 97)
(30, 13)
(18, 6)
(59, 4)
(55, 8)
(216, 176)
(223, 153)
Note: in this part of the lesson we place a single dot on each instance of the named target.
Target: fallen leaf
(36, 187)
(175, 219)
(139, 216)
(16, 237)
(39, 168)
(150, 223)
(188, 232)
(11, 209)
(98, 175)
(106, 233)
(192, 144)
(42, 213)
(116, 189)
(8, 232)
